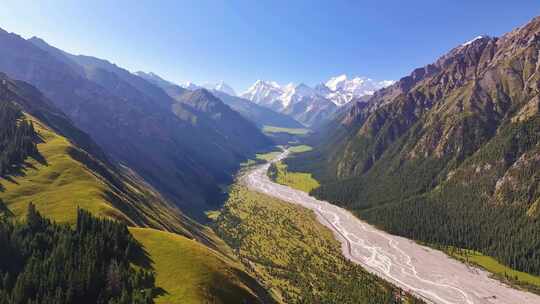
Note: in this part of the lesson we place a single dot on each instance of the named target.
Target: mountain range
(455, 146)
(312, 106)
(181, 150)
(448, 156)
(260, 116)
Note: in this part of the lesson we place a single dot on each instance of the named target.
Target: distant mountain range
(259, 115)
(310, 106)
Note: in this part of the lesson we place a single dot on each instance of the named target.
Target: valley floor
(428, 273)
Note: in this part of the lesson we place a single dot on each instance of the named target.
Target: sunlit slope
(68, 178)
(188, 272)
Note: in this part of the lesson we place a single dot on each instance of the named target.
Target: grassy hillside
(295, 256)
(188, 272)
(68, 178)
(57, 186)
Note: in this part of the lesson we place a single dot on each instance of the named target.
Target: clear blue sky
(285, 41)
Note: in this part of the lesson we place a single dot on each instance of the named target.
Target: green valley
(294, 256)
(291, 131)
(191, 264)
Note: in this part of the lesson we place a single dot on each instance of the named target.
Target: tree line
(450, 202)
(18, 139)
(45, 262)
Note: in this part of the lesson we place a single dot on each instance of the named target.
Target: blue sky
(285, 41)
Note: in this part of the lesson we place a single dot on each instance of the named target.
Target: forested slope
(449, 154)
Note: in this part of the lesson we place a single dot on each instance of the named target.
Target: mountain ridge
(312, 106)
(115, 106)
(454, 144)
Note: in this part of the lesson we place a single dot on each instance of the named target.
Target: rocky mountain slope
(454, 145)
(132, 120)
(259, 115)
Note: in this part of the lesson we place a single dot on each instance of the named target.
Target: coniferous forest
(44, 262)
(17, 138)
(417, 201)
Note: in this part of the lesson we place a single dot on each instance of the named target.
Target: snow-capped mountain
(220, 86)
(341, 90)
(308, 104)
(474, 39)
(154, 78)
(264, 93)
(293, 94)
(188, 85)
(301, 102)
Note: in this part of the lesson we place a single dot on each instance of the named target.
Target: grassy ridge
(58, 186)
(267, 156)
(295, 256)
(188, 272)
(69, 178)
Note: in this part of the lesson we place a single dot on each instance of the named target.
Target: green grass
(62, 184)
(188, 272)
(59, 186)
(500, 271)
(292, 131)
(297, 180)
(266, 157)
(300, 149)
(262, 157)
(292, 254)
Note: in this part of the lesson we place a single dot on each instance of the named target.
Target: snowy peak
(154, 78)
(292, 94)
(263, 92)
(335, 83)
(188, 85)
(341, 90)
(474, 40)
(221, 87)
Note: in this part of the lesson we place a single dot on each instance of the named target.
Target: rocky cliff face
(456, 104)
